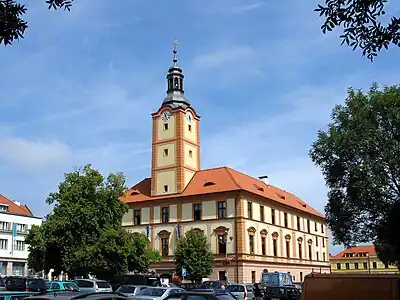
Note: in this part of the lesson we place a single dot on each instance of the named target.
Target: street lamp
(223, 239)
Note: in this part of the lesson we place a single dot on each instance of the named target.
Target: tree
(12, 26)
(36, 246)
(362, 29)
(83, 233)
(359, 157)
(193, 253)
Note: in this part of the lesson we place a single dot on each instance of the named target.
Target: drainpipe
(236, 235)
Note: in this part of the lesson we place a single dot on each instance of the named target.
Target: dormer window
(209, 183)
(259, 188)
(134, 193)
(3, 208)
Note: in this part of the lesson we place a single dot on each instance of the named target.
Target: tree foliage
(362, 28)
(193, 253)
(83, 233)
(12, 25)
(359, 158)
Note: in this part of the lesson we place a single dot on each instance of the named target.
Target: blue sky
(81, 86)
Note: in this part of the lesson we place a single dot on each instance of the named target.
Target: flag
(178, 230)
(148, 232)
(14, 231)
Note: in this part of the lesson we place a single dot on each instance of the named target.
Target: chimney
(264, 179)
(16, 202)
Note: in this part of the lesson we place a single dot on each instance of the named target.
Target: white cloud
(240, 9)
(34, 154)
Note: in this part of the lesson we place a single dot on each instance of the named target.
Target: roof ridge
(195, 173)
(228, 170)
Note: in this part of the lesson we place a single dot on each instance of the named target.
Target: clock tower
(176, 138)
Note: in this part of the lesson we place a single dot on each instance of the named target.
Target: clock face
(189, 118)
(166, 115)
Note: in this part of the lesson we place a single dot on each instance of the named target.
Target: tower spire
(175, 51)
(175, 93)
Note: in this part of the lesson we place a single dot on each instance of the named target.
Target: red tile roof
(14, 208)
(225, 179)
(369, 249)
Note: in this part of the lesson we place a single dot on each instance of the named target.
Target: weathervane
(175, 51)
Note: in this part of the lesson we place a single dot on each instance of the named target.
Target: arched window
(287, 243)
(275, 236)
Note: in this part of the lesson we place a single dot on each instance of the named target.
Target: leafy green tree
(36, 246)
(83, 233)
(362, 28)
(193, 253)
(359, 157)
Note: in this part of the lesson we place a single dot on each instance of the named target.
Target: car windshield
(152, 292)
(235, 288)
(103, 284)
(70, 286)
(126, 289)
(249, 288)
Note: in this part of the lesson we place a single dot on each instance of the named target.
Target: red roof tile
(14, 208)
(225, 179)
(369, 249)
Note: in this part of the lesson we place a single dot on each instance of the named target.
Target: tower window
(176, 83)
(190, 153)
(166, 126)
(190, 127)
(165, 152)
(165, 188)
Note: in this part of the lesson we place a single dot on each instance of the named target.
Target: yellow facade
(164, 134)
(361, 265)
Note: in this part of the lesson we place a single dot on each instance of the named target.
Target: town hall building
(251, 225)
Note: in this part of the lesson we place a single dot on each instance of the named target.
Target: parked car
(216, 294)
(241, 291)
(63, 286)
(93, 285)
(282, 293)
(159, 293)
(15, 283)
(130, 290)
(3, 284)
(70, 295)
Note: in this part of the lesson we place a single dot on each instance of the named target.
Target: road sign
(184, 272)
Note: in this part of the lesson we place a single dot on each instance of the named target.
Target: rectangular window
(221, 244)
(356, 266)
(338, 266)
(197, 212)
(309, 252)
(5, 226)
(275, 246)
(298, 223)
(323, 242)
(166, 126)
(365, 265)
(315, 226)
(347, 266)
(221, 209)
(21, 228)
(165, 188)
(323, 256)
(136, 216)
(322, 228)
(263, 245)
(316, 241)
(308, 226)
(253, 277)
(19, 246)
(190, 153)
(317, 255)
(285, 219)
(164, 247)
(251, 243)
(249, 210)
(300, 252)
(3, 244)
(273, 216)
(374, 265)
(190, 127)
(165, 152)
(288, 249)
(386, 266)
(262, 217)
(165, 215)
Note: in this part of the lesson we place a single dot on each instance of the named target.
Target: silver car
(241, 291)
(93, 285)
(130, 290)
(159, 293)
